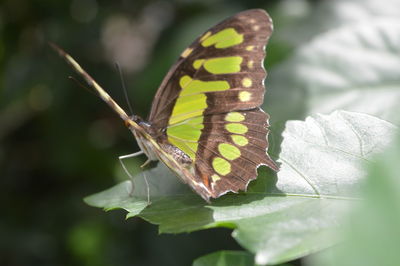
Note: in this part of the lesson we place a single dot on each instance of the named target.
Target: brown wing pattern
(256, 27)
(251, 144)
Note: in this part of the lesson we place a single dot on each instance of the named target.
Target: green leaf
(118, 197)
(355, 68)
(372, 230)
(226, 258)
(285, 217)
(340, 143)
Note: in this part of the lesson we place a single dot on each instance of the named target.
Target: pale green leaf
(372, 230)
(311, 19)
(355, 67)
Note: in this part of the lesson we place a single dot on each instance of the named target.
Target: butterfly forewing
(207, 105)
(229, 66)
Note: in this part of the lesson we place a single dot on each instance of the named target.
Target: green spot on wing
(234, 117)
(221, 166)
(198, 63)
(192, 101)
(187, 131)
(187, 107)
(186, 135)
(240, 140)
(229, 151)
(223, 65)
(189, 148)
(224, 38)
(236, 128)
(194, 86)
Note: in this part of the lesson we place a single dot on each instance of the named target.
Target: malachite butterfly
(205, 122)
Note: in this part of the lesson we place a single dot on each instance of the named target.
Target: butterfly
(205, 122)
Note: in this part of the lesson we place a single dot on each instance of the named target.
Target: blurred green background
(60, 143)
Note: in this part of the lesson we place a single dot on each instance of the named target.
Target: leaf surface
(372, 229)
(355, 67)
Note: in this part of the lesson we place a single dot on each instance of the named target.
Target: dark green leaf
(118, 197)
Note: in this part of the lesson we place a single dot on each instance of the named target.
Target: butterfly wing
(208, 104)
(233, 52)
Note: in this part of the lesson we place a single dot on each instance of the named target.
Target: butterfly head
(140, 121)
(141, 125)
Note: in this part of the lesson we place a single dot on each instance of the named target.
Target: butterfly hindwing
(233, 145)
(207, 105)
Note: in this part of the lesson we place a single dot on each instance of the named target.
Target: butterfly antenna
(97, 88)
(121, 76)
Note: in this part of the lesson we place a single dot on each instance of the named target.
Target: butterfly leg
(126, 157)
(145, 180)
(123, 157)
(148, 188)
(145, 163)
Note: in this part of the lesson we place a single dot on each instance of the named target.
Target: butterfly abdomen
(177, 154)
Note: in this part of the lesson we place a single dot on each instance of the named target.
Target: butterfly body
(205, 122)
(145, 134)
(157, 148)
